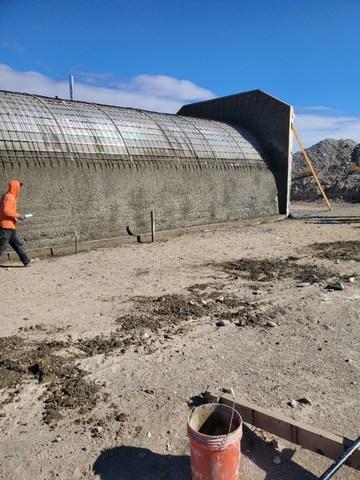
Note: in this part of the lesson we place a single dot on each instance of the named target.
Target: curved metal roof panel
(40, 124)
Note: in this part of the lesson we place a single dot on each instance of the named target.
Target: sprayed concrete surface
(99, 204)
(101, 353)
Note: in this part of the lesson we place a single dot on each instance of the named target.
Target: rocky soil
(337, 163)
(102, 354)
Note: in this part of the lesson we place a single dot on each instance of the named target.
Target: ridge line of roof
(225, 97)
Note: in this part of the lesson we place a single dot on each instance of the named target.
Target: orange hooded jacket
(8, 206)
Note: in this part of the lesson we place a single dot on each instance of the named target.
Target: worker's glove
(21, 218)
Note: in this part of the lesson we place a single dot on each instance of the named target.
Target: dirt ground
(101, 353)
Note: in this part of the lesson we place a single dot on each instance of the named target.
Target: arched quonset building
(97, 169)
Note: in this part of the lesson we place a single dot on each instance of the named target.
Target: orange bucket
(215, 433)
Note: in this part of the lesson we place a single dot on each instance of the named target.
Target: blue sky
(160, 54)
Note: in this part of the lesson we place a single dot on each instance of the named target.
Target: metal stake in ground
(152, 218)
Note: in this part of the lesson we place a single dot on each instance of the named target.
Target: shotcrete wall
(100, 202)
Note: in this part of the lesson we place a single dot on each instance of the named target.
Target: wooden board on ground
(314, 439)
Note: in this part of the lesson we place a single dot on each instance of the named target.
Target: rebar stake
(152, 226)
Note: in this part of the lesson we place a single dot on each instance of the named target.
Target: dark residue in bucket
(216, 425)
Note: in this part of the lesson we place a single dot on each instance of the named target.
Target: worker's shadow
(131, 463)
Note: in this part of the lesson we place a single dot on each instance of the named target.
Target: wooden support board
(302, 148)
(319, 441)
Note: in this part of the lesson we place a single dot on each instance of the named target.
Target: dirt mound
(177, 307)
(267, 270)
(65, 383)
(345, 250)
(131, 322)
(11, 371)
(248, 313)
(101, 344)
(174, 312)
(166, 314)
(161, 312)
(337, 164)
(70, 391)
(19, 359)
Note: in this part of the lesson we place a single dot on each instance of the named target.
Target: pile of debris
(337, 163)
(66, 385)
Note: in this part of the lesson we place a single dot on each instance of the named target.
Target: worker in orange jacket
(8, 218)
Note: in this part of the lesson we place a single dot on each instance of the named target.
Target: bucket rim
(216, 437)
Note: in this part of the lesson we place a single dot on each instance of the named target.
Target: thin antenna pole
(71, 87)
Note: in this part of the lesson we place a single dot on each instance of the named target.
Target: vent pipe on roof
(71, 86)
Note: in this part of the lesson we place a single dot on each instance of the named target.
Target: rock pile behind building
(338, 165)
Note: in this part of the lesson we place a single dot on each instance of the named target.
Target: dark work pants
(8, 236)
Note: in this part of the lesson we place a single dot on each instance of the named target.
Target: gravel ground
(100, 353)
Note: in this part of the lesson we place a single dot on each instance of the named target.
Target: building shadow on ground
(133, 463)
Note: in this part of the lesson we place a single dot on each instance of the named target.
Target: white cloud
(167, 94)
(314, 109)
(152, 92)
(316, 127)
(168, 87)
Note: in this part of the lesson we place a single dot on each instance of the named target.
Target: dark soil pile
(267, 270)
(11, 370)
(19, 359)
(141, 327)
(147, 322)
(65, 383)
(154, 314)
(101, 344)
(344, 250)
(177, 307)
(69, 391)
(171, 313)
(247, 313)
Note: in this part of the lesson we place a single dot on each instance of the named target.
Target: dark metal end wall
(268, 118)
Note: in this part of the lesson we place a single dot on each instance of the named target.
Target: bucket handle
(231, 391)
